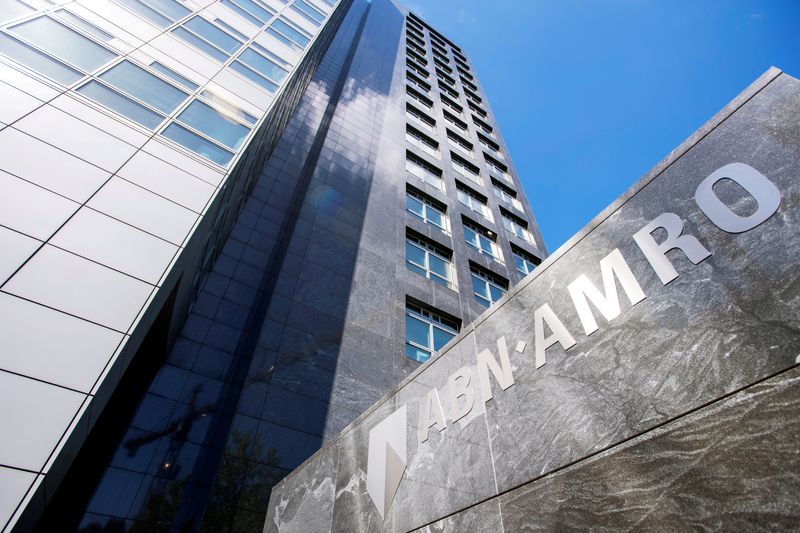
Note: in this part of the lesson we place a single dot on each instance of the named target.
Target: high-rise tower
(230, 227)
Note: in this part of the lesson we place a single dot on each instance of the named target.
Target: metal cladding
(644, 376)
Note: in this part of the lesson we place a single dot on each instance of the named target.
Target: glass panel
(85, 25)
(174, 76)
(257, 78)
(440, 338)
(416, 354)
(415, 254)
(121, 104)
(470, 236)
(230, 29)
(263, 65)
(197, 42)
(150, 14)
(496, 292)
(10, 9)
(243, 13)
(171, 8)
(436, 217)
(35, 60)
(290, 32)
(415, 206)
(417, 331)
(64, 43)
(197, 144)
(308, 12)
(437, 265)
(227, 106)
(262, 13)
(146, 87)
(206, 119)
(213, 34)
(486, 245)
(520, 263)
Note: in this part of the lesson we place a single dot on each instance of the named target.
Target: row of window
(471, 198)
(66, 48)
(478, 237)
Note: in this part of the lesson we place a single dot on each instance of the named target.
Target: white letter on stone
(459, 386)
(611, 265)
(754, 182)
(502, 371)
(430, 415)
(656, 253)
(560, 334)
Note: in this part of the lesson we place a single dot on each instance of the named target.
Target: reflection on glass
(197, 42)
(197, 144)
(35, 60)
(211, 122)
(64, 43)
(213, 34)
(174, 76)
(263, 65)
(121, 104)
(148, 88)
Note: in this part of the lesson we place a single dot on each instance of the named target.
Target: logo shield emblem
(386, 461)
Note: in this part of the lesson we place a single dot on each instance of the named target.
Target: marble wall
(678, 413)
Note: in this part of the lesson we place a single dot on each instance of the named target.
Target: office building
(229, 227)
(644, 378)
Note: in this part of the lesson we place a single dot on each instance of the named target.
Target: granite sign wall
(645, 374)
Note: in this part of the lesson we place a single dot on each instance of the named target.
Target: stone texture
(707, 471)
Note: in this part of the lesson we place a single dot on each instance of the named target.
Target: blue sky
(589, 95)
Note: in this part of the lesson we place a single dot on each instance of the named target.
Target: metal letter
(754, 182)
(611, 265)
(386, 459)
(560, 334)
(431, 414)
(459, 386)
(656, 253)
(502, 371)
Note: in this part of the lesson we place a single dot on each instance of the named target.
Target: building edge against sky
(298, 198)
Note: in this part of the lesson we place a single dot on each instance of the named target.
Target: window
(13, 8)
(424, 101)
(482, 240)
(253, 11)
(452, 119)
(417, 82)
(448, 90)
(424, 171)
(506, 195)
(426, 332)
(220, 102)
(60, 42)
(474, 201)
(205, 119)
(428, 260)
(416, 68)
(524, 261)
(415, 47)
(441, 64)
(469, 85)
(465, 168)
(209, 38)
(487, 287)
(496, 168)
(309, 12)
(85, 25)
(148, 88)
(478, 110)
(260, 69)
(162, 13)
(427, 210)
(454, 107)
(516, 226)
(420, 118)
(490, 145)
(422, 141)
(484, 126)
(197, 144)
(472, 96)
(460, 143)
(444, 77)
(174, 76)
(416, 57)
(289, 34)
